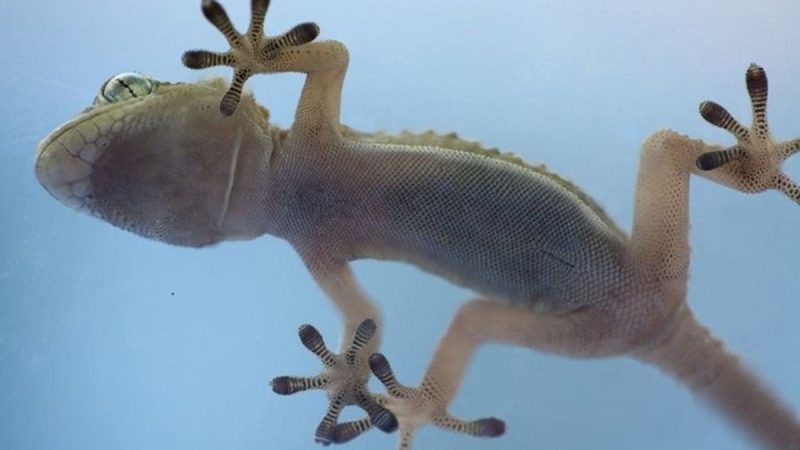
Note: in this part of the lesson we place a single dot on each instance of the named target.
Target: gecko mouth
(65, 157)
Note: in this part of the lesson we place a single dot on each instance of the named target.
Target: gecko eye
(125, 86)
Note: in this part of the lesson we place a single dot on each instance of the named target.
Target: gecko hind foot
(757, 158)
(414, 407)
(344, 377)
(248, 51)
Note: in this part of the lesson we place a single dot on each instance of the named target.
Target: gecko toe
(282, 385)
(379, 416)
(384, 420)
(347, 431)
(715, 159)
(286, 385)
(718, 116)
(490, 427)
(202, 59)
(299, 34)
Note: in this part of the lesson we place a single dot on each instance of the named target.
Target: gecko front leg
(250, 53)
(346, 373)
(324, 63)
(659, 238)
(343, 378)
(316, 126)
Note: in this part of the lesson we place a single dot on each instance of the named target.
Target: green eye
(125, 86)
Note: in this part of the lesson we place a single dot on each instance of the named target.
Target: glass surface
(111, 341)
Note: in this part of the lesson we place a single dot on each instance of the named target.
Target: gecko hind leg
(249, 51)
(476, 322)
(754, 163)
(337, 379)
(415, 407)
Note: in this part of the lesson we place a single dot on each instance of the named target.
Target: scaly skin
(175, 163)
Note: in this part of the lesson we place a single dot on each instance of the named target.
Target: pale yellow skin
(169, 166)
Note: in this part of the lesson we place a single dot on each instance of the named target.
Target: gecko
(195, 164)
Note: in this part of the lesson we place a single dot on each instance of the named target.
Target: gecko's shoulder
(452, 141)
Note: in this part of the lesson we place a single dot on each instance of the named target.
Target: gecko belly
(444, 216)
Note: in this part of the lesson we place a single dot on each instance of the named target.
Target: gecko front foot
(415, 407)
(344, 378)
(249, 52)
(754, 163)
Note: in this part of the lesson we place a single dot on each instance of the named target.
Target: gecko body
(175, 163)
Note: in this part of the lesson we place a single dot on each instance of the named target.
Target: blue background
(96, 352)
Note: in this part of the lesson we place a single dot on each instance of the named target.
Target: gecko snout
(64, 164)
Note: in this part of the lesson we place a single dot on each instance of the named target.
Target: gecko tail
(691, 355)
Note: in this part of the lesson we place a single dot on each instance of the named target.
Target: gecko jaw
(64, 161)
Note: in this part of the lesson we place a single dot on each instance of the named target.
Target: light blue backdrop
(97, 353)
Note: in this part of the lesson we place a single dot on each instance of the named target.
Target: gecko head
(158, 159)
